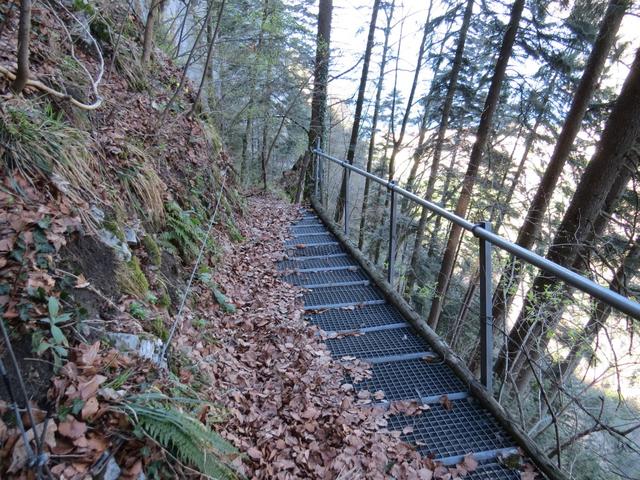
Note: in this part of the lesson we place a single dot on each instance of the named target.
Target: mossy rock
(222, 300)
(131, 278)
(114, 227)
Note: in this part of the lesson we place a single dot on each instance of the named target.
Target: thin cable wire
(23, 389)
(195, 269)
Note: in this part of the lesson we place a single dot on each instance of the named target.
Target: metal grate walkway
(344, 302)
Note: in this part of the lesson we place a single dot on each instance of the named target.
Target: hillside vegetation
(110, 184)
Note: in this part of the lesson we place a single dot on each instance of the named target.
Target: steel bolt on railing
(486, 239)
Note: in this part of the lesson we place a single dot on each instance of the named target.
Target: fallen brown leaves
(288, 406)
(84, 422)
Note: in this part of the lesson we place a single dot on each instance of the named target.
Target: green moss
(131, 278)
(159, 330)
(138, 310)
(101, 30)
(164, 301)
(84, 6)
(113, 226)
(213, 137)
(153, 250)
(233, 231)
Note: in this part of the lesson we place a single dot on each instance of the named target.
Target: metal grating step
(363, 317)
(493, 471)
(378, 344)
(310, 238)
(307, 221)
(316, 263)
(326, 297)
(467, 428)
(306, 229)
(313, 236)
(310, 279)
(315, 250)
(398, 355)
(412, 379)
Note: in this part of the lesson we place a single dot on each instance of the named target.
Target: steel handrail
(574, 279)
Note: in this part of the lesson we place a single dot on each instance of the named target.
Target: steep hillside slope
(103, 211)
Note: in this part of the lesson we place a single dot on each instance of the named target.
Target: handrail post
(316, 165)
(392, 231)
(486, 319)
(345, 214)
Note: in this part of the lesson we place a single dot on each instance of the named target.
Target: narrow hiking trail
(289, 405)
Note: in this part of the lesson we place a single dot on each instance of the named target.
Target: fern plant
(183, 234)
(184, 436)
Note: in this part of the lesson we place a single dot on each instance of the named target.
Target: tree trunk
(573, 121)
(246, 158)
(390, 139)
(580, 264)
(419, 152)
(355, 129)
(442, 131)
(24, 36)
(617, 141)
(397, 141)
(263, 153)
(486, 120)
(374, 126)
(180, 35)
(206, 72)
(245, 145)
(147, 42)
(443, 200)
(320, 77)
(528, 144)
(183, 76)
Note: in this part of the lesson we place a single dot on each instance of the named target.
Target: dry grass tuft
(39, 144)
(144, 189)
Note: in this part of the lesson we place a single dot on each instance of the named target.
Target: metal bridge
(372, 322)
(342, 298)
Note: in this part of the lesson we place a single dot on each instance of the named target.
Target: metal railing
(486, 239)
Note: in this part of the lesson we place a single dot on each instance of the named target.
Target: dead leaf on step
(468, 464)
(406, 407)
(446, 403)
